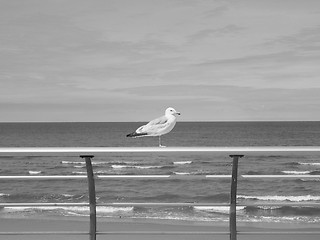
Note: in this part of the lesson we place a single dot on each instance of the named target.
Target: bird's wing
(153, 126)
(141, 129)
(158, 121)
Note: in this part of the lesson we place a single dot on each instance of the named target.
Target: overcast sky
(128, 60)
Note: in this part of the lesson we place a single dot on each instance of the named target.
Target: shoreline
(71, 224)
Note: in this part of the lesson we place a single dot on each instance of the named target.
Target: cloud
(224, 93)
(226, 59)
(230, 29)
(216, 12)
(242, 103)
(303, 40)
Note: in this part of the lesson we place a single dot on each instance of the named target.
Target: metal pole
(233, 198)
(92, 197)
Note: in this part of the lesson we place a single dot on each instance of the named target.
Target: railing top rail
(164, 177)
(76, 151)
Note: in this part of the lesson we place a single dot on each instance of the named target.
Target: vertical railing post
(92, 197)
(233, 198)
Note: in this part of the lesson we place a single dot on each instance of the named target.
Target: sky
(128, 60)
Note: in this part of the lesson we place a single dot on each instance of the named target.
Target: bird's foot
(162, 146)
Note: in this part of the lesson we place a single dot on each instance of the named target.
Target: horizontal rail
(129, 204)
(162, 233)
(43, 204)
(118, 233)
(280, 233)
(58, 177)
(76, 151)
(208, 204)
(44, 233)
(62, 177)
(164, 176)
(209, 233)
(281, 176)
(158, 204)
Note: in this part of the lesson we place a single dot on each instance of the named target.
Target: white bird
(158, 126)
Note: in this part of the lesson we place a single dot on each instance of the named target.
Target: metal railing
(89, 152)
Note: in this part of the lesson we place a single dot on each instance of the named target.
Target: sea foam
(78, 209)
(34, 172)
(282, 198)
(309, 163)
(133, 166)
(181, 173)
(222, 209)
(182, 162)
(296, 172)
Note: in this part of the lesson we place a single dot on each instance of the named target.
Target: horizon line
(204, 121)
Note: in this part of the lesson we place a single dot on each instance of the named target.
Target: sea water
(193, 190)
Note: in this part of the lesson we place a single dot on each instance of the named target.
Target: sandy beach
(139, 225)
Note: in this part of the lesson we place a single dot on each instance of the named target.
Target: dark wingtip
(134, 134)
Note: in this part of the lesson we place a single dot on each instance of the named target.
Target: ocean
(154, 190)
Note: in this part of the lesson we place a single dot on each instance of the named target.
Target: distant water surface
(182, 190)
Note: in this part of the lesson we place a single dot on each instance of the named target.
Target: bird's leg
(160, 142)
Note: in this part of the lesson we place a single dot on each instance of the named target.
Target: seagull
(158, 126)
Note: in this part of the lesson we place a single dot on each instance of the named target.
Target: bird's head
(171, 111)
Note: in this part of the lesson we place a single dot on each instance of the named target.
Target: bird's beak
(178, 113)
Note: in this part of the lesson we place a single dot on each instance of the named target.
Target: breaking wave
(282, 198)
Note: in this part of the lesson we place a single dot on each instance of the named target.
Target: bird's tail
(135, 134)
